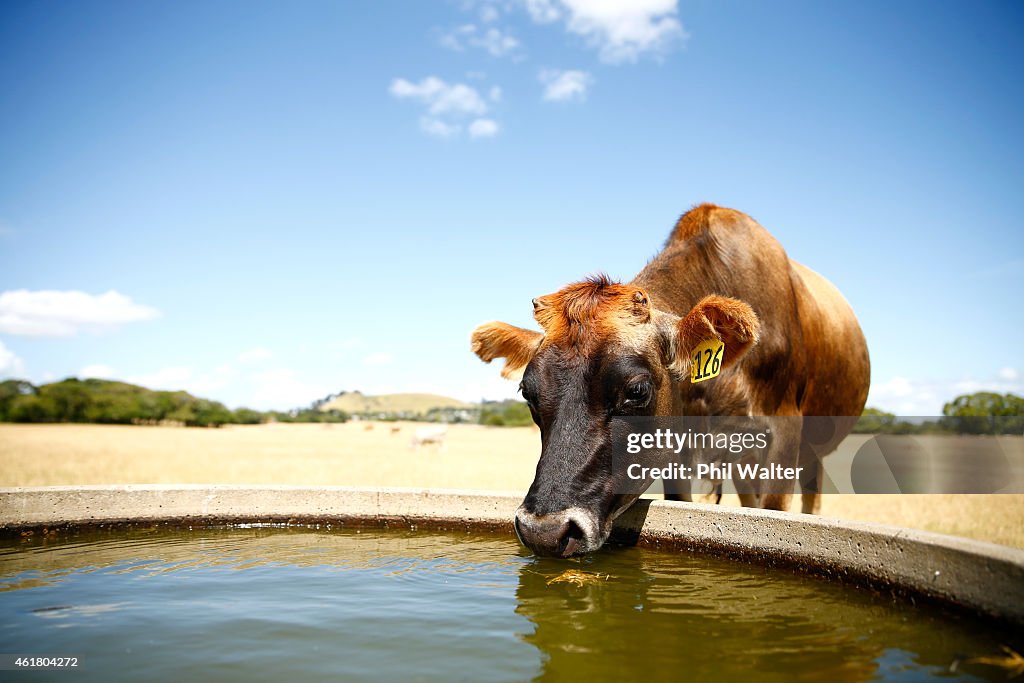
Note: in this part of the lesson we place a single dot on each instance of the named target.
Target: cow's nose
(555, 534)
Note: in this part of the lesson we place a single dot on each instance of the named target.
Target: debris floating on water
(1012, 662)
(578, 578)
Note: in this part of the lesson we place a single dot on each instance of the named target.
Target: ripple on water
(304, 604)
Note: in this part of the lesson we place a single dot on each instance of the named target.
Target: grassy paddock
(352, 455)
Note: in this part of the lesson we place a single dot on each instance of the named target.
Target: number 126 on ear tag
(707, 360)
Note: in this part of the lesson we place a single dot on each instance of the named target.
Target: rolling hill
(357, 403)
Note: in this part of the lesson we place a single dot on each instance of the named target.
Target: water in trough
(305, 604)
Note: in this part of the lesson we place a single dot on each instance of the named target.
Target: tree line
(979, 413)
(108, 402)
(983, 412)
(505, 414)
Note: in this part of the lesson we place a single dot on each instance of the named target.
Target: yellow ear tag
(707, 360)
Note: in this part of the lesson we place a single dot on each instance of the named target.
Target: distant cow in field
(792, 347)
(430, 436)
(395, 430)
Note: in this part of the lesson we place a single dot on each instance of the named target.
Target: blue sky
(266, 202)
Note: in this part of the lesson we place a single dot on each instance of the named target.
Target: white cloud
(255, 355)
(897, 387)
(492, 388)
(10, 364)
(456, 37)
(483, 128)
(447, 105)
(924, 397)
(50, 313)
(489, 13)
(271, 388)
(439, 128)
(496, 43)
(283, 389)
(621, 31)
(379, 358)
(440, 97)
(492, 40)
(184, 378)
(96, 371)
(479, 385)
(565, 86)
(171, 378)
(208, 384)
(543, 11)
(907, 397)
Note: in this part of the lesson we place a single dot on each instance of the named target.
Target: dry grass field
(370, 454)
(351, 454)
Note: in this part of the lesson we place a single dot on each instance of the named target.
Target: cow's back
(838, 366)
(812, 357)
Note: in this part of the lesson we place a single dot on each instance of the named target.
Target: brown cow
(792, 348)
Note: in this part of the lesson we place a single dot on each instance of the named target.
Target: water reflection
(270, 605)
(440, 606)
(40, 561)
(669, 617)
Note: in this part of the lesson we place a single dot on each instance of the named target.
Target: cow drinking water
(792, 347)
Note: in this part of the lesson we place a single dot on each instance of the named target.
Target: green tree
(10, 390)
(506, 414)
(113, 409)
(210, 414)
(874, 421)
(246, 416)
(984, 412)
(70, 398)
(184, 414)
(33, 408)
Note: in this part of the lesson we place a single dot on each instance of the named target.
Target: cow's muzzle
(563, 534)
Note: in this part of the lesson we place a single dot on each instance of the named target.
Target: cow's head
(604, 352)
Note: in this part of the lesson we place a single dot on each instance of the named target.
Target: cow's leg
(748, 491)
(810, 501)
(715, 496)
(822, 436)
(683, 490)
(750, 500)
(776, 501)
(784, 450)
(677, 489)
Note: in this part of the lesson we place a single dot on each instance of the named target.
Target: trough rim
(981, 577)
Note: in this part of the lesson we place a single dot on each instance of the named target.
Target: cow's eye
(638, 393)
(527, 395)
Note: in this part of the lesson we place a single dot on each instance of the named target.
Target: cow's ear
(501, 340)
(716, 317)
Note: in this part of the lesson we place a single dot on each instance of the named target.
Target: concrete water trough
(983, 578)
